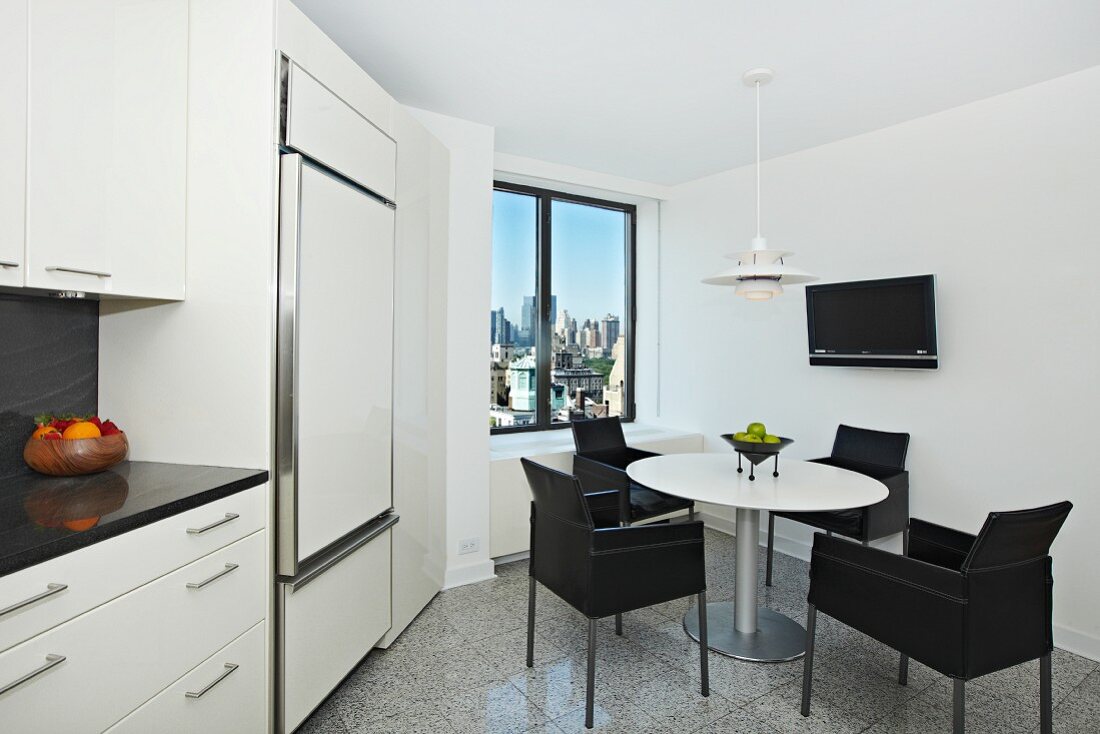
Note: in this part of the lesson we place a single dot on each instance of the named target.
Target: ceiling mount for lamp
(760, 273)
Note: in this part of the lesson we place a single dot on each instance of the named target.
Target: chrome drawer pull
(229, 516)
(229, 568)
(51, 660)
(77, 271)
(229, 668)
(51, 589)
(8, 264)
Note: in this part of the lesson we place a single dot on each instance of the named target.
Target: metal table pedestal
(742, 629)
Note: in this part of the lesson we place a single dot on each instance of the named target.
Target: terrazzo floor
(459, 668)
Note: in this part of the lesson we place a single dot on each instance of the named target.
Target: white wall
(998, 199)
(468, 290)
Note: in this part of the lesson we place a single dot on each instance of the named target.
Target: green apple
(752, 438)
(769, 438)
(739, 436)
(757, 429)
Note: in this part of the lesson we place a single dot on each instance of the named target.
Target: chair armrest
(889, 567)
(604, 507)
(914, 607)
(938, 544)
(617, 540)
(597, 477)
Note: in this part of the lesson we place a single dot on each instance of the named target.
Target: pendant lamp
(760, 273)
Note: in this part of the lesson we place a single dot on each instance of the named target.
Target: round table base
(778, 637)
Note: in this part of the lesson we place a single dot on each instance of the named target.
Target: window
(561, 332)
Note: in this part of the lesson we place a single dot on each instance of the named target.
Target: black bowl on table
(757, 453)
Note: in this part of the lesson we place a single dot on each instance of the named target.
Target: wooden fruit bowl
(74, 457)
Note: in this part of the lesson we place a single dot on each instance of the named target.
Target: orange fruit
(83, 429)
(43, 430)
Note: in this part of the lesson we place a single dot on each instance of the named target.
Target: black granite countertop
(44, 517)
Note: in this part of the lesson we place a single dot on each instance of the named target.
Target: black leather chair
(877, 454)
(965, 606)
(600, 464)
(607, 571)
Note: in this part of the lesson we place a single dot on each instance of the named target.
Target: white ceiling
(651, 89)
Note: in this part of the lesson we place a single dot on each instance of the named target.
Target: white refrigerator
(334, 383)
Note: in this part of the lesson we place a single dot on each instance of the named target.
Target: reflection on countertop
(43, 517)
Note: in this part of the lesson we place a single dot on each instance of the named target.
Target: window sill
(556, 441)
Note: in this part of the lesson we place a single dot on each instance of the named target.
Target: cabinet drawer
(123, 653)
(106, 570)
(329, 624)
(327, 129)
(227, 693)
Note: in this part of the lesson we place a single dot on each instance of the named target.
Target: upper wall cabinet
(107, 146)
(13, 137)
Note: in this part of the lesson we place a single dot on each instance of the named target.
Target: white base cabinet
(144, 618)
(225, 694)
(112, 659)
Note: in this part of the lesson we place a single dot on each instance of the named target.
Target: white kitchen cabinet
(225, 694)
(107, 146)
(90, 672)
(13, 138)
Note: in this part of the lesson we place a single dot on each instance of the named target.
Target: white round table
(742, 629)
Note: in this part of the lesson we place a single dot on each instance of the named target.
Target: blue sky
(587, 256)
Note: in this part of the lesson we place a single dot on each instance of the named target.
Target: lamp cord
(758, 158)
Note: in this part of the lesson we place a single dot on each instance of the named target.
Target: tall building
(528, 324)
(609, 333)
(500, 330)
(521, 381)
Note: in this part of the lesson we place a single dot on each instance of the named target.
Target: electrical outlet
(470, 545)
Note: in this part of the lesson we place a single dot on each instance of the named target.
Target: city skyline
(589, 244)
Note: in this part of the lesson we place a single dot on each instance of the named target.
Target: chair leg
(691, 513)
(771, 549)
(590, 688)
(959, 708)
(808, 660)
(1046, 703)
(704, 662)
(905, 541)
(903, 671)
(530, 621)
(619, 625)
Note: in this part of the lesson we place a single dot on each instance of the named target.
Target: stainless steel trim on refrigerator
(286, 426)
(317, 566)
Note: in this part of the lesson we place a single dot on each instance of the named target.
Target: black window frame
(544, 337)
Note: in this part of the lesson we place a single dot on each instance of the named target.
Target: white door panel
(13, 138)
(344, 352)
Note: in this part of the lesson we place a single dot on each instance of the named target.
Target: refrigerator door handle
(319, 566)
(286, 378)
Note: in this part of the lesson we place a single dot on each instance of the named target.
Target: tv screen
(873, 323)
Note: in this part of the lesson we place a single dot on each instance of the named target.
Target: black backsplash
(49, 363)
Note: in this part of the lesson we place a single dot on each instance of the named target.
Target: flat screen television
(873, 323)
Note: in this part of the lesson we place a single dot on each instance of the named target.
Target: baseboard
(1077, 642)
(521, 556)
(787, 546)
(471, 573)
(1071, 640)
